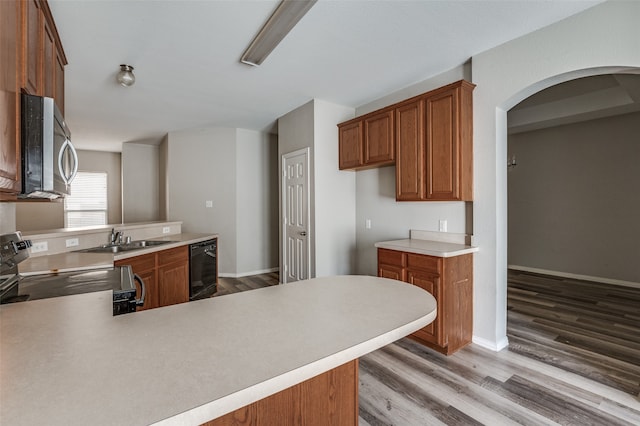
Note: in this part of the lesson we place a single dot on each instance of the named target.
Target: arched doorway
(501, 169)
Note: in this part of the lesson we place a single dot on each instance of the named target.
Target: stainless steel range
(15, 288)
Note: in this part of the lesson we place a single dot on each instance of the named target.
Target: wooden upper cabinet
(43, 55)
(428, 137)
(410, 158)
(59, 79)
(434, 146)
(10, 52)
(48, 62)
(367, 141)
(32, 36)
(350, 145)
(379, 138)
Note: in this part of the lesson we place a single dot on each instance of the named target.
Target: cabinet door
(393, 272)
(443, 145)
(379, 145)
(430, 282)
(350, 145)
(410, 174)
(10, 35)
(145, 267)
(32, 68)
(59, 81)
(48, 61)
(151, 290)
(173, 283)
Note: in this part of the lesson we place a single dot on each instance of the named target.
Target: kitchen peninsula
(69, 361)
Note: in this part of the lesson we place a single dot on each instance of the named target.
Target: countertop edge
(404, 245)
(149, 250)
(41, 265)
(232, 402)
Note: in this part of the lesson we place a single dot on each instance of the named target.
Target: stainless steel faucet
(116, 237)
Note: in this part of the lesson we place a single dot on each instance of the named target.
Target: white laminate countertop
(428, 247)
(78, 261)
(68, 361)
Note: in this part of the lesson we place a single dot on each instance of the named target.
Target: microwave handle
(68, 145)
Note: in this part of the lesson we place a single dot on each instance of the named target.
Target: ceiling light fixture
(283, 19)
(125, 77)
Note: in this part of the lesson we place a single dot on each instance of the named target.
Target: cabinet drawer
(146, 262)
(177, 254)
(391, 257)
(427, 263)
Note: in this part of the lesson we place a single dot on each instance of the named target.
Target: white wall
(332, 192)
(256, 203)
(602, 39)
(574, 196)
(335, 202)
(201, 166)
(376, 192)
(141, 182)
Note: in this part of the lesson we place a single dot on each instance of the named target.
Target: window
(87, 203)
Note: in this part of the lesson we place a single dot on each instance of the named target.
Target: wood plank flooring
(573, 359)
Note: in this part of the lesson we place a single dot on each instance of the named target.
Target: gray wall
(33, 216)
(256, 201)
(295, 131)
(332, 192)
(141, 182)
(376, 192)
(574, 198)
(234, 169)
(603, 39)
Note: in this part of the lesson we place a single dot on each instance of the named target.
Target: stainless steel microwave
(49, 160)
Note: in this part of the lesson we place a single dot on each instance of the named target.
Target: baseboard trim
(575, 276)
(247, 274)
(491, 345)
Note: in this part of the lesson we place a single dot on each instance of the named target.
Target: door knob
(303, 233)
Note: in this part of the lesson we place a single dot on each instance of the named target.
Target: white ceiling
(186, 57)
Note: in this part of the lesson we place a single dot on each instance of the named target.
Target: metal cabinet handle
(303, 233)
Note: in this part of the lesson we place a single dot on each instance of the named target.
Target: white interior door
(295, 212)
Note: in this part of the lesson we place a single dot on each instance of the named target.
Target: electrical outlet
(166, 229)
(72, 242)
(208, 204)
(442, 225)
(39, 247)
(367, 224)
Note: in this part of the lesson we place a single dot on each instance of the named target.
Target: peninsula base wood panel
(450, 282)
(329, 399)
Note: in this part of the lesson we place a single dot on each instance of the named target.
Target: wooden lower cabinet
(165, 274)
(329, 399)
(450, 282)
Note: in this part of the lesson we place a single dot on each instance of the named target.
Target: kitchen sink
(118, 248)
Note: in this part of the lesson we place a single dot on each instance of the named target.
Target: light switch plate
(208, 204)
(442, 225)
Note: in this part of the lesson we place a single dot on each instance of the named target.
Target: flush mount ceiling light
(285, 17)
(125, 77)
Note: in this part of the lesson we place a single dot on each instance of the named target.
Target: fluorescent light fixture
(283, 19)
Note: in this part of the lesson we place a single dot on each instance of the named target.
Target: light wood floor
(573, 359)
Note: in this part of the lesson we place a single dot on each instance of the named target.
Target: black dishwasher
(203, 269)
